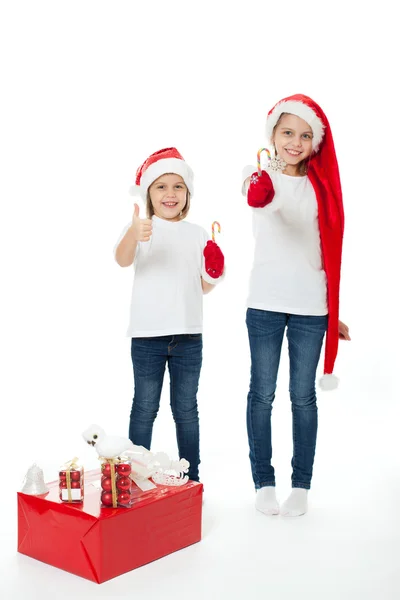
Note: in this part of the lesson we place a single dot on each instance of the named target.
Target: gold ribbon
(67, 467)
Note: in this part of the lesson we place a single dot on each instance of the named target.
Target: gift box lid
(91, 504)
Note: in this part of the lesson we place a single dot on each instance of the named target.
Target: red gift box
(102, 543)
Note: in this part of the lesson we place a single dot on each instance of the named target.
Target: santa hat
(323, 173)
(167, 160)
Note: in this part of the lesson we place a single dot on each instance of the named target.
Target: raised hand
(142, 228)
(261, 191)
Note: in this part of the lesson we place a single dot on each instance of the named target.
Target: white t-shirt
(167, 297)
(287, 274)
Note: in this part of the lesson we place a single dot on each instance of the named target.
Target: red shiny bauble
(75, 475)
(106, 483)
(63, 484)
(123, 469)
(106, 469)
(124, 498)
(75, 485)
(106, 498)
(63, 475)
(124, 484)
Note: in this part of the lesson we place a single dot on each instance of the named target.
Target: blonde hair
(149, 205)
(302, 166)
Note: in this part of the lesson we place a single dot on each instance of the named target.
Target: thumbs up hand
(142, 228)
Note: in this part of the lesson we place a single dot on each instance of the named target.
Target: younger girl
(294, 286)
(175, 264)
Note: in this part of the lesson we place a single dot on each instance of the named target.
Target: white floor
(346, 548)
(341, 549)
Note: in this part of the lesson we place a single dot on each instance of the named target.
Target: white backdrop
(90, 89)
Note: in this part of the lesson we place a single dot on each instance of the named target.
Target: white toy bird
(113, 446)
(145, 464)
(107, 446)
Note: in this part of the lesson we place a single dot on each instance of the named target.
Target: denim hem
(304, 486)
(265, 484)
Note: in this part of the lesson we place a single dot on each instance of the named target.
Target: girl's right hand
(261, 190)
(142, 228)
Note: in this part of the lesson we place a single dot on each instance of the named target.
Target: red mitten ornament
(214, 260)
(261, 191)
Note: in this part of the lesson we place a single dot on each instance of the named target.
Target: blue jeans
(305, 335)
(183, 354)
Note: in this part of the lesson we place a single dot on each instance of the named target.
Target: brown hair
(302, 166)
(150, 209)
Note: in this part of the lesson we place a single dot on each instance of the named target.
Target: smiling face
(293, 142)
(168, 196)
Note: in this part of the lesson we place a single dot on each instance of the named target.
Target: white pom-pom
(134, 190)
(328, 382)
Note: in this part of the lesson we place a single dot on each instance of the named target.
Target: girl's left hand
(343, 331)
(214, 260)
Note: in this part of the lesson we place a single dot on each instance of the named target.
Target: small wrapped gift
(116, 483)
(71, 486)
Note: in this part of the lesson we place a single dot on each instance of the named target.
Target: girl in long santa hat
(174, 265)
(298, 226)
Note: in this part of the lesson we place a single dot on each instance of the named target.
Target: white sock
(266, 501)
(296, 504)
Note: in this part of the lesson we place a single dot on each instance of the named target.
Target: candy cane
(259, 158)
(212, 229)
